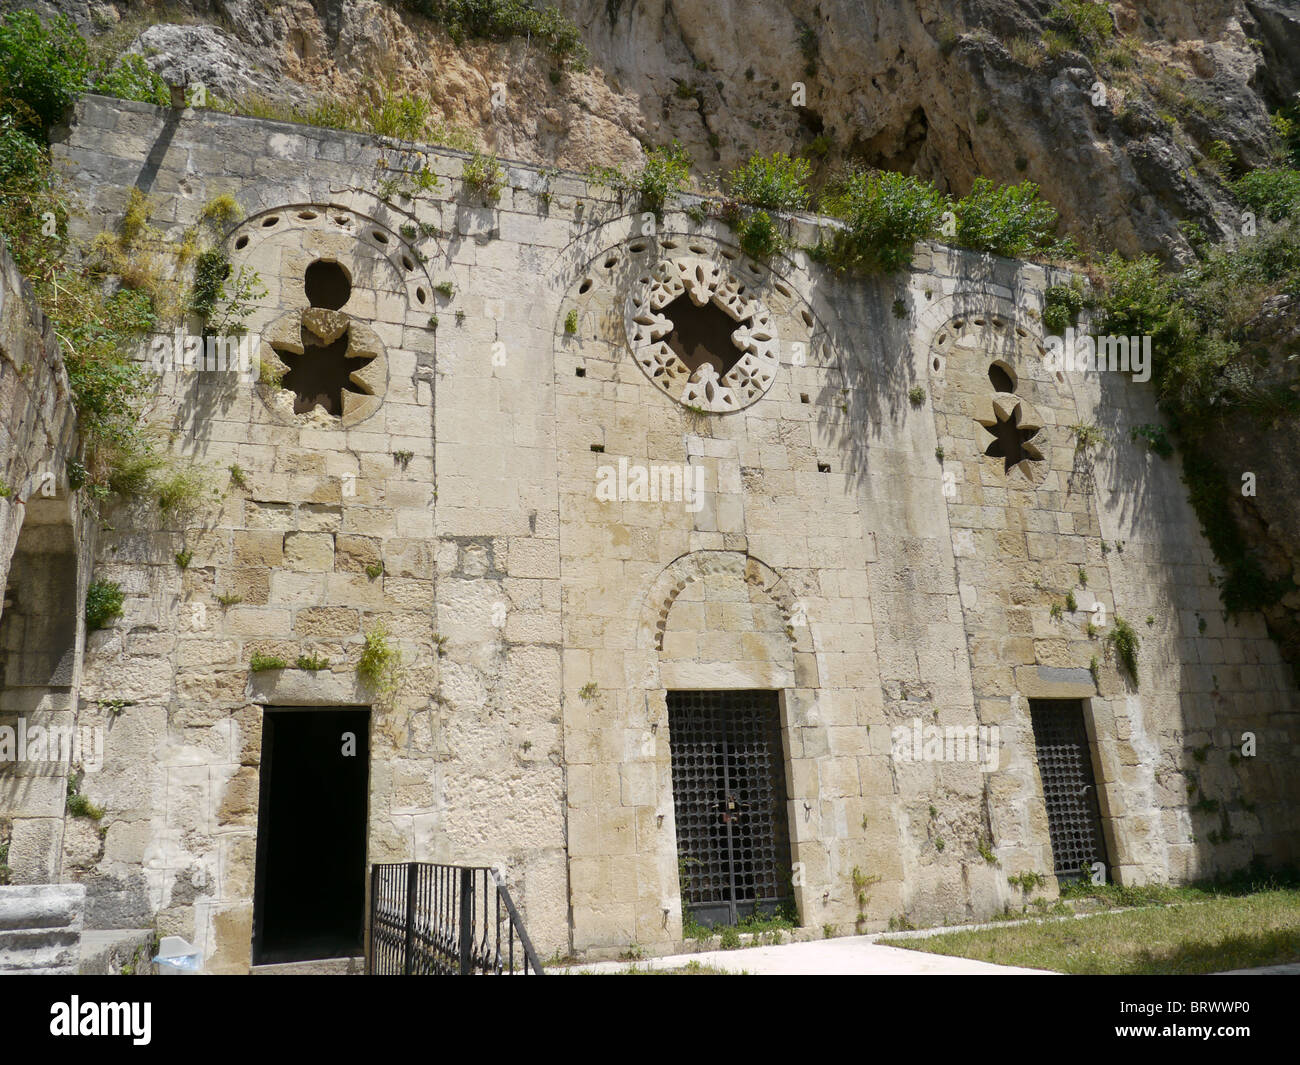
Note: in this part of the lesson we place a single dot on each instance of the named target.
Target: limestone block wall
(1108, 526)
(517, 359)
(44, 547)
(757, 583)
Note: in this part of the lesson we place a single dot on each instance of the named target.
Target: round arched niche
(996, 362)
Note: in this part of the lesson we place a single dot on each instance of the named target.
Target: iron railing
(445, 920)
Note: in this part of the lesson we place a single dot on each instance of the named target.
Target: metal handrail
(451, 920)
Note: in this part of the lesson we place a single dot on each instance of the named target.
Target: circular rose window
(701, 335)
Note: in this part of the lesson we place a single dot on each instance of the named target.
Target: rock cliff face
(1265, 447)
(948, 89)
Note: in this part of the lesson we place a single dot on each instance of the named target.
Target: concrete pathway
(844, 956)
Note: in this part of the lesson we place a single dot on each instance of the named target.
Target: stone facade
(45, 554)
(816, 528)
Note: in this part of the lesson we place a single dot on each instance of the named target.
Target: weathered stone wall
(44, 551)
(542, 624)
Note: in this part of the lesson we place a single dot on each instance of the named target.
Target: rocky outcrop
(948, 90)
(1265, 447)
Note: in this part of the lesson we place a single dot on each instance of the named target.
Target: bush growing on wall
(1008, 220)
(885, 213)
(44, 67)
(1272, 192)
(104, 601)
(773, 182)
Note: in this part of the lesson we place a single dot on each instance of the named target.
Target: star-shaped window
(1011, 441)
(326, 368)
(703, 335)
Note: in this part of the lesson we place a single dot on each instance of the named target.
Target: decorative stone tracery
(706, 283)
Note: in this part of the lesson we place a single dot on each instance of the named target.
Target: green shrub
(131, 79)
(210, 273)
(1088, 23)
(45, 66)
(1272, 193)
(759, 236)
(1126, 643)
(43, 69)
(104, 601)
(180, 488)
(571, 322)
(1061, 307)
(500, 20)
(1007, 220)
(260, 663)
(484, 175)
(666, 172)
(886, 214)
(380, 661)
(78, 805)
(772, 182)
(28, 190)
(399, 115)
(313, 663)
(100, 336)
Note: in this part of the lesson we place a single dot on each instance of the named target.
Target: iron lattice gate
(729, 798)
(1069, 787)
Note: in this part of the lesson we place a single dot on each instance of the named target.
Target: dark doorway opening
(729, 799)
(309, 897)
(1065, 767)
(702, 334)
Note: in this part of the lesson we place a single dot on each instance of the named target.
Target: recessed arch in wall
(599, 271)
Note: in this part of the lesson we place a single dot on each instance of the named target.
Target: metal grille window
(729, 796)
(1069, 787)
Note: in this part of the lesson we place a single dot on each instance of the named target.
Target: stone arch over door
(724, 619)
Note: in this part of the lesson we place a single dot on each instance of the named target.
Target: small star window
(1011, 442)
(326, 367)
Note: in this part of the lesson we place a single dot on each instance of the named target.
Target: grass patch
(259, 663)
(502, 20)
(1188, 936)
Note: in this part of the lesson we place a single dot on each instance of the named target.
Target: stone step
(117, 952)
(41, 927)
(322, 967)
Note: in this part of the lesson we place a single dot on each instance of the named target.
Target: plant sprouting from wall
(104, 601)
(379, 666)
(884, 214)
(1125, 643)
(483, 174)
